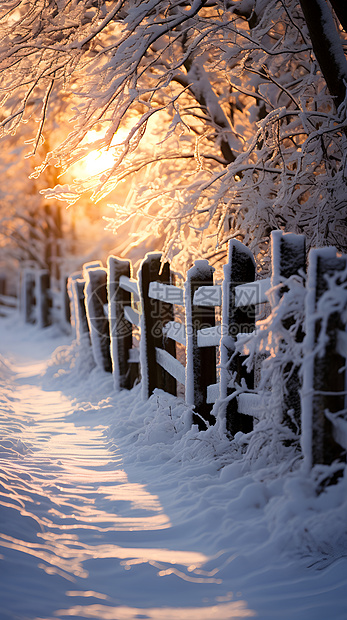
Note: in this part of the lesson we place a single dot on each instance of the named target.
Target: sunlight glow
(98, 161)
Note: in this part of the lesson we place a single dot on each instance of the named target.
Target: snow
(116, 508)
(213, 392)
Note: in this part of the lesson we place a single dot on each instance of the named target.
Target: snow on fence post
(240, 269)
(155, 314)
(288, 259)
(324, 374)
(95, 293)
(201, 361)
(42, 287)
(124, 373)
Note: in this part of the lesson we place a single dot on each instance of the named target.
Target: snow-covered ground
(113, 508)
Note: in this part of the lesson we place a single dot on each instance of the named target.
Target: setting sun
(99, 160)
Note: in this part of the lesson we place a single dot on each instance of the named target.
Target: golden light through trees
(98, 160)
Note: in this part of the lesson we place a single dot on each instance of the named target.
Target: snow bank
(254, 476)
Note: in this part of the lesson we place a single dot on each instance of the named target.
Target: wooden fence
(111, 309)
(109, 306)
(40, 302)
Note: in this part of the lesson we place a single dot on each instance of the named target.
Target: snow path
(71, 516)
(112, 509)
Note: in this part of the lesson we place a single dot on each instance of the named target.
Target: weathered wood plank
(201, 362)
(95, 298)
(121, 333)
(289, 259)
(43, 300)
(239, 270)
(324, 374)
(155, 314)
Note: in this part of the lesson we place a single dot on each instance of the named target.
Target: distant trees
(37, 232)
(30, 228)
(235, 111)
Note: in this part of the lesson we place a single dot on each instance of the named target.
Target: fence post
(82, 328)
(324, 371)
(75, 289)
(95, 300)
(240, 269)
(3, 284)
(155, 314)
(288, 255)
(42, 287)
(65, 303)
(27, 297)
(124, 373)
(288, 259)
(201, 361)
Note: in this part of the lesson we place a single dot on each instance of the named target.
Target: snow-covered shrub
(277, 346)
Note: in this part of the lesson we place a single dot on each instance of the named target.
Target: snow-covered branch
(232, 88)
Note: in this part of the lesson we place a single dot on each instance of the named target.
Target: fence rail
(9, 301)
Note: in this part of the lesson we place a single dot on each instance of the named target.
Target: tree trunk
(340, 8)
(327, 46)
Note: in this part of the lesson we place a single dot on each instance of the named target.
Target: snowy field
(113, 508)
